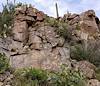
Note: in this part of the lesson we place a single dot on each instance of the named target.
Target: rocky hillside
(43, 42)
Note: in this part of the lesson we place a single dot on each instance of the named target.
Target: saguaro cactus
(7, 2)
(14, 2)
(57, 10)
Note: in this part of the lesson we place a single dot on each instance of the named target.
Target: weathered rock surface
(6, 79)
(87, 68)
(47, 50)
(35, 44)
(1, 83)
(20, 31)
(93, 82)
(88, 22)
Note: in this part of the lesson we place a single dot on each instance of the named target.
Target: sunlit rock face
(88, 23)
(35, 44)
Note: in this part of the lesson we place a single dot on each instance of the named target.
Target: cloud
(74, 6)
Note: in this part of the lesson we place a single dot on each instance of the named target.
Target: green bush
(62, 28)
(67, 77)
(78, 26)
(51, 21)
(30, 77)
(38, 77)
(6, 19)
(98, 74)
(79, 53)
(19, 4)
(91, 54)
(4, 63)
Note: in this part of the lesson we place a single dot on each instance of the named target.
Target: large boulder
(31, 11)
(47, 35)
(16, 48)
(47, 50)
(42, 59)
(24, 13)
(88, 22)
(20, 10)
(40, 16)
(20, 32)
(87, 68)
(43, 49)
(85, 23)
(22, 17)
(35, 42)
(4, 46)
(38, 46)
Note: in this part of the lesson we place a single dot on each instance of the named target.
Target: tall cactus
(7, 2)
(57, 10)
(14, 2)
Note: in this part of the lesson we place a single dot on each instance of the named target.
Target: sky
(73, 6)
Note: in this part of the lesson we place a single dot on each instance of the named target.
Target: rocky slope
(36, 44)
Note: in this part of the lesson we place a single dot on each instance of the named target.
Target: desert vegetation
(66, 38)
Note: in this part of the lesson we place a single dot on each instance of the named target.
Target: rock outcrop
(87, 68)
(34, 43)
(37, 45)
(86, 24)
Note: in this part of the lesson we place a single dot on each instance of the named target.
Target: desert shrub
(4, 63)
(38, 77)
(67, 77)
(91, 54)
(98, 74)
(79, 53)
(6, 19)
(30, 77)
(18, 4)
(78, 26)
(51, 21)
(62, 28)
(94, 49)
